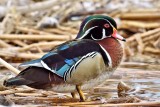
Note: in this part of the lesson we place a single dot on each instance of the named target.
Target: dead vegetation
(29, 31)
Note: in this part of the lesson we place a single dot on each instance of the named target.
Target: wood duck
(76, 65)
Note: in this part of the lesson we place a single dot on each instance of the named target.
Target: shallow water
(146, 83)
(146, 80)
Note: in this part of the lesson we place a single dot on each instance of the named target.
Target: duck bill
(117, 36)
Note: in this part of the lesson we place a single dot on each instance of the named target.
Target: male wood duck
(79, 64)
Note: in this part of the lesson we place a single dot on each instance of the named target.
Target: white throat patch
(103, 35)
(108, 56)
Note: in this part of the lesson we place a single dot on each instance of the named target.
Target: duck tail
(35, 77)
(16, 81)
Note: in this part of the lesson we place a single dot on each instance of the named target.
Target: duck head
(98, 27)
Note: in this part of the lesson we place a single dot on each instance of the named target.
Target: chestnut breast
(114, 48)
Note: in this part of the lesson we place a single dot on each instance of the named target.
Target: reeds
(29, 31)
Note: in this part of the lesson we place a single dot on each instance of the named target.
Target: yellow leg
(81, 95)
(73, 94)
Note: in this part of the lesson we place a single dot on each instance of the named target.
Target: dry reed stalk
(44, 99)
(140, 24)
(40, 44)
(71, 30)
(115, 13)
(73, 37)
(31, 30)
(13, 64)
(128, 52)
(10, 67)
(30, 94)
(146, 10)
(57, 31)
(85, 13)
(144, 35)
(157, 43)
(67, 11)
(39, 49)
(132, 29)
(3, 44)
(152, 50)
(82, 103)
(20, 55)
(140, 43)
(34, 37)
(19, 42)
(16, 90)
(140, 16)
(7, 25)
(32, 7)
(152, 37)
(72, 24)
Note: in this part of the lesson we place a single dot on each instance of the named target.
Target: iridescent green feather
(82, 29)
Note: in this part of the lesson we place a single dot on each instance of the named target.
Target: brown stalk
(10, 67)
(33, 37)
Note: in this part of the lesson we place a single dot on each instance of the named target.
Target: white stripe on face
(87, 32)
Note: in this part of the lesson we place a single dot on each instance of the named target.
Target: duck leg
(81, 95)
(73, 94)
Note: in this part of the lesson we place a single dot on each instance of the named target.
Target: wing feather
(66, 56)
(32, 63)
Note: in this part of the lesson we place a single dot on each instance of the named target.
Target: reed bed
(31, 28)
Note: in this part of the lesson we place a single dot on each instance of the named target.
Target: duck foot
(80, 92)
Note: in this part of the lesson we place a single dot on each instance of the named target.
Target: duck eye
(106, 25)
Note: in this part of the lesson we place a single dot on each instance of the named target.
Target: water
(145, 81)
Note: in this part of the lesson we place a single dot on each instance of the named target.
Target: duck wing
(62, 58)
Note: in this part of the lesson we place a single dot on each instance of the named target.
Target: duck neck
(114, 48)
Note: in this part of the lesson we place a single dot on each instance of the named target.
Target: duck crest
(93, 27)
(114, 49)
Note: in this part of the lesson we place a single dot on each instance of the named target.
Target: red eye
(106, 25)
